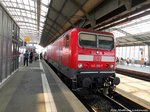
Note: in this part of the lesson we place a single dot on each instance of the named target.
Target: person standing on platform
(145, 61)
(36, 56)
(41, 56)
(31, 57)
(26, 56)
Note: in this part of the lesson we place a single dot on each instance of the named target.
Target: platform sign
(142, 54)
(27, 39)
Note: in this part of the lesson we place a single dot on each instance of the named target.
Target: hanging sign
(27, 39)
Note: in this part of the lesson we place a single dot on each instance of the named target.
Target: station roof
(45, 20)
(29, 15)
(135, 32)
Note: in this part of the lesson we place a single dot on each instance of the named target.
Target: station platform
(135, 67)
(134, 70)
(134, 89)
(36, 88)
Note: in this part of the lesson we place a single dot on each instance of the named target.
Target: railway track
(118, 106)
(97, 102)
(102, 103)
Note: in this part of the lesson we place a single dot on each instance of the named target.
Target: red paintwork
(69, 56)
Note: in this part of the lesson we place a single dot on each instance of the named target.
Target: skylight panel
(32, 13)
(31, 3)
(14, 4)
(21, 6)
(30, 20)
(117, 34)
(24, 13)
(21, 19)
(27, 7)
(17, 10)
(12, 0)
(46, 2)
(41, 25)
(8, 4)
(43, 13)
(145, 17)
(20, 23)
(132, 30)
(42, 19)
(43, 8)
(32, 9)
(41, 28)
(19, 1)
(26, 2)
(33, 16)
(29, 15)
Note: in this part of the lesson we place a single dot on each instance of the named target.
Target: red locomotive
(86, 58)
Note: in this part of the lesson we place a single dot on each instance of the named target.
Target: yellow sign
(142, 59)
(27, 39)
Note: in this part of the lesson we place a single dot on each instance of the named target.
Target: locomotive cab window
(105, 42)
(87, 40)
(67, 41)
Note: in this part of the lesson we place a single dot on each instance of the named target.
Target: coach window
(67, 41)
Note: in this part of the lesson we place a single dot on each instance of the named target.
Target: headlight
(80, 65)
(111, 66)
(97, 52)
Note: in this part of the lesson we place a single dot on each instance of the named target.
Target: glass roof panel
(43, 8)
(21, 6)
(12, 0)
(42, 19)
(26, 2)
(26, 7)
(117, 34)
(138, 28)
(134, 27)
(18, 1)
(31, 3)
(46, 2)
(14, 4)
(25, 14)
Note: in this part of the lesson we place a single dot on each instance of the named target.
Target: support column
(149, 54)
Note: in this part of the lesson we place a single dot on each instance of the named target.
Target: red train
(86, 58)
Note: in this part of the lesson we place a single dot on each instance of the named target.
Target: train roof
(88, 30)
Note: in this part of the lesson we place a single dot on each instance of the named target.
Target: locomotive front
(96, 61)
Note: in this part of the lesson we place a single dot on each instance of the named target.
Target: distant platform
(135, 67)
(137, 71)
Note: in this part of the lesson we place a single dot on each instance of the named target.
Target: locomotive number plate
(97, 58)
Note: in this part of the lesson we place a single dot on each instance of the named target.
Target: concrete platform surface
(36, 88)
(135, 90)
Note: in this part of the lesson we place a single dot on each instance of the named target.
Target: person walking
(26, 56)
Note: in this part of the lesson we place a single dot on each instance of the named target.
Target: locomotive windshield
(96, 41)
(87, 40)
(105, 42)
